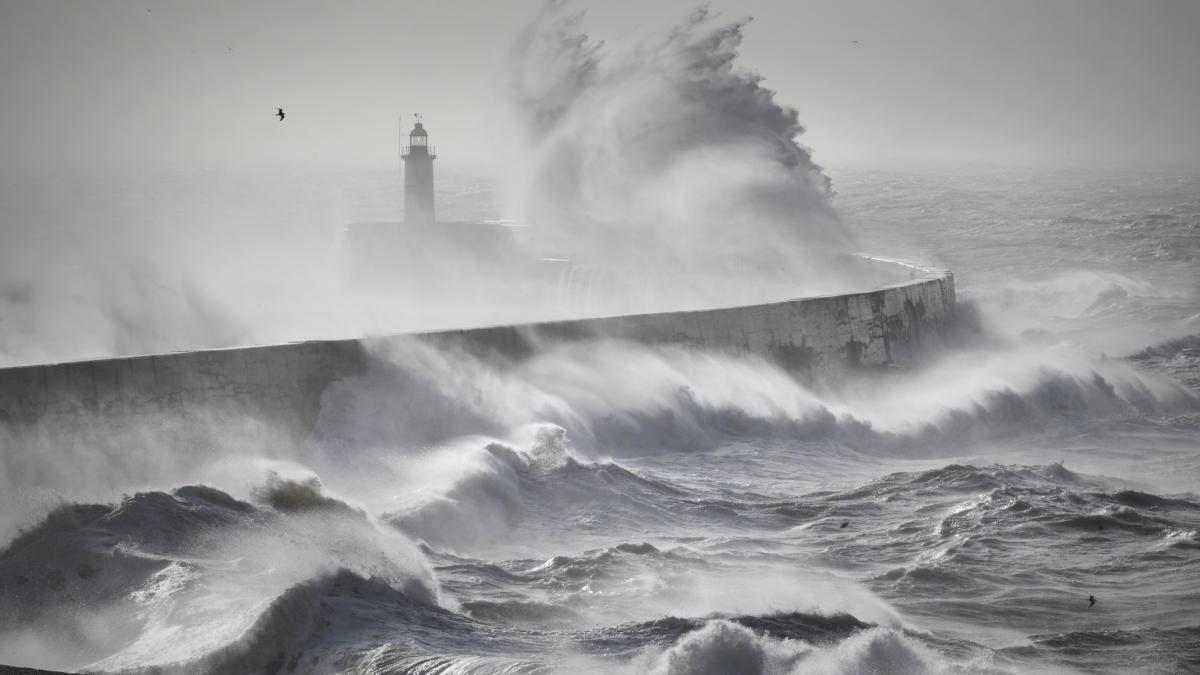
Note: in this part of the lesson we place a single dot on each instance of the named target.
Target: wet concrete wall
(818, 339)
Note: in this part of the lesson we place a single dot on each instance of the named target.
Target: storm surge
(602, 505)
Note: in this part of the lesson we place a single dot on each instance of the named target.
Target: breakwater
(817, 339)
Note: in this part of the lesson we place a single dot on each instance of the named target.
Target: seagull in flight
(280, 114)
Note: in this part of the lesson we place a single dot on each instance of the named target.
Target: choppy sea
(616, 508)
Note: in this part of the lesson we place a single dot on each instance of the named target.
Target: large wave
(169, 578)
(665, 155)
(625, 399)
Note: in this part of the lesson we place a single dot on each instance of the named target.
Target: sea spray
(665, 155)
(616, 398)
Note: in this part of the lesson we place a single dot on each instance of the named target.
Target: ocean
(621, 508)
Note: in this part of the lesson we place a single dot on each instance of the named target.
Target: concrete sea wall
(818, 339)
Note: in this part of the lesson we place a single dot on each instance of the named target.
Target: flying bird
(1091, 600)
(280, 114)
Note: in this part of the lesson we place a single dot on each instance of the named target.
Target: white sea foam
(724, 647)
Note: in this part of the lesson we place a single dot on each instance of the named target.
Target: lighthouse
(418, 177)
(414, 254)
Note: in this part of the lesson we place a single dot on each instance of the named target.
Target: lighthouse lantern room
(418, 158)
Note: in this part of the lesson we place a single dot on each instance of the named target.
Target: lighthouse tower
(418, 177)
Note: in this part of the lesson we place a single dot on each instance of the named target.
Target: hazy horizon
(178, 84)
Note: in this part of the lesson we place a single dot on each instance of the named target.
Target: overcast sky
(197, 83)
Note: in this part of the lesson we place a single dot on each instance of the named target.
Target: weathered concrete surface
(817, 339)
(279, 381)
